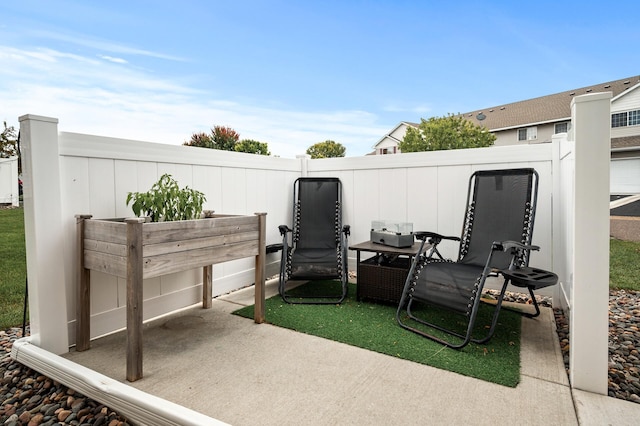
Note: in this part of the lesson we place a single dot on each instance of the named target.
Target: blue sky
(293, 73)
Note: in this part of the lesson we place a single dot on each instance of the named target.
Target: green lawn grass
(13, 267)
(624, 266)
(624, 273)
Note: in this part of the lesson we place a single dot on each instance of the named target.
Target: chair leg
(466, 338)
(535, 305)
(315, 300)
(328, 299)
(521, 312)
(496, 312)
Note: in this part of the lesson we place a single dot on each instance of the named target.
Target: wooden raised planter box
(135, 250)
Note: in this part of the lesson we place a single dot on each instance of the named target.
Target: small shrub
(165, 201)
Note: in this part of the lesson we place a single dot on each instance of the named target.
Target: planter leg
(259, 312)
(83, 295)
(207, 286)
(134, 298)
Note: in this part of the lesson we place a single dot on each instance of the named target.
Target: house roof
(545, 109)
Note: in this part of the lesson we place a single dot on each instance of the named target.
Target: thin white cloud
(106, 97)
(104, 45)
(112, 59)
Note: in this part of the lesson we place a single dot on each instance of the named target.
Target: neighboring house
(537, 120)
(389, 142)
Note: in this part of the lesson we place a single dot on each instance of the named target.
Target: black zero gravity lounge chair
(318, 247)
(496, 240)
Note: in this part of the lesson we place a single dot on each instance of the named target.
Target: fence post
(589, 319)
(44, 233)
(304, 164)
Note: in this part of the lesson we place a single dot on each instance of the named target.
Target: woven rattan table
(381, 277)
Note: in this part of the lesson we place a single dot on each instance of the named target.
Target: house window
(527, 134)
(623, 119)
(392, 150)
(619, 119)
(562, 127)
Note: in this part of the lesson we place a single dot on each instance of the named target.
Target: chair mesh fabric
(316, 250)
(499, 209)
(448, 284)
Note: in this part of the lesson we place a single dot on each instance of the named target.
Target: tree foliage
(252, 147)
(8, 142)
(450, 132)
(326, 149)
(201, 140)
(226, 139)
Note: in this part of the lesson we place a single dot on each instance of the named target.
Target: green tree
(8, 142)
(201, 140)
(326, 149)
(224, 138)
(450, 132)
(252, 147)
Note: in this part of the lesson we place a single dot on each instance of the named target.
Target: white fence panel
(9, 188)
(97, 173)
(428, 189)
(563, 217)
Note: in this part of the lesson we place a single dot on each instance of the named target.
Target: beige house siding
(544, 113)
(510, 136)
(628, 101)
(620, 132)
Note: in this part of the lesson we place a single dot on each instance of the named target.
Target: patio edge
(138, 406)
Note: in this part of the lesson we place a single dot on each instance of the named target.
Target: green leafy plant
(326, 149)
(165, 201)
(450, 132)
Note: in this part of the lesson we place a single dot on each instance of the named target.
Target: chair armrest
(434, 238)
(284, 229)
(509, 245)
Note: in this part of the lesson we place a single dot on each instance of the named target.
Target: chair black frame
(318, 246)
(496, 240)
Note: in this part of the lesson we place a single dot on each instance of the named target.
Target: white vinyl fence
(68, 174)
(9, 189)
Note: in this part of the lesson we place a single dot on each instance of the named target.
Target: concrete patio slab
(242, 373)
(599, 410)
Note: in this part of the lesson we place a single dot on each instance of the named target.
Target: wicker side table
(381, 278)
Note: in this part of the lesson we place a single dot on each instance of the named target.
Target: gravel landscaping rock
(30, 398)
(624, 343)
